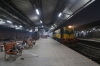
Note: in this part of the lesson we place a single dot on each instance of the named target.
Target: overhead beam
(63, 23)
(12, 10)
(59, 8)
(23, 15)
(8, 15)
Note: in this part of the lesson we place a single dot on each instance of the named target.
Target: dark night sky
(87, 15)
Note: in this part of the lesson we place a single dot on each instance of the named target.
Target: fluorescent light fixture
(51, 26)
(55, 25)
(15, 25)
(2, 22)
(98, 29)
(82, 31)
(37, 11)
(30, 30)
(17, 28)
(94, 29)
(67, 15)
(20, 26)
(59, 14)
(9, 21)
(40, 21)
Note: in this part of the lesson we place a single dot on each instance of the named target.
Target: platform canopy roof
(49, 14)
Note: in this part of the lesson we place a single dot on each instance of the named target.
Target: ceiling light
(40, 21)
(98, 29)
(30, 30)
(17, 28)
(94, 29)
(9, 21)
(37, 11)
(15, 25)
(55, 25)
(59, 14)
(82, 31)
(2, 22)
(42, 26)
(20, 26)
(51, 28)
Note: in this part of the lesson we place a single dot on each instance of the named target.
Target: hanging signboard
(36, 28)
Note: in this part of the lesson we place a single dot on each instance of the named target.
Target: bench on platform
(8, 47)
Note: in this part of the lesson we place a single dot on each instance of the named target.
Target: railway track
(91, 52)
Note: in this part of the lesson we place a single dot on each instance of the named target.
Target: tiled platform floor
(50, 53)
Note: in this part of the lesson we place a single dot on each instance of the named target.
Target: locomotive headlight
(70, 26)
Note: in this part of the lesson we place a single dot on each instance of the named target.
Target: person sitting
(16, 47)
(24, 42)
(34, 41)
(29, 42)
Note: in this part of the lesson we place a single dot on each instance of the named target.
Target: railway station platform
(50, 53)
